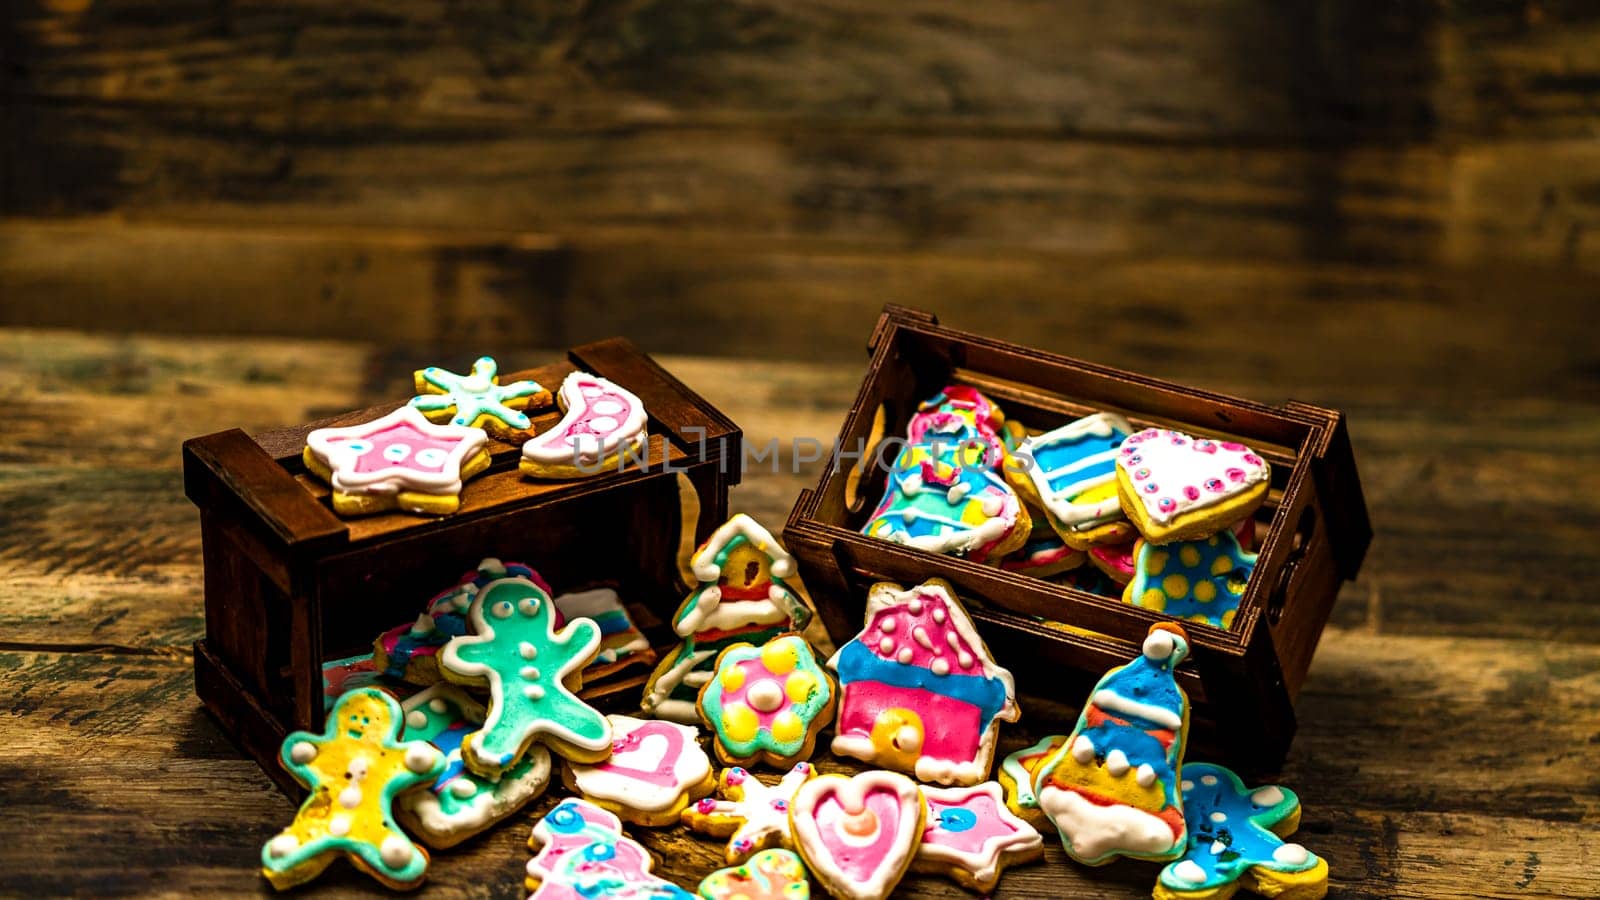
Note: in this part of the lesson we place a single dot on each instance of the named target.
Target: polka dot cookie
(1201, 581)
(767, 703)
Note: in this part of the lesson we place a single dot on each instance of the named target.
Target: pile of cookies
(417, 457)
(1156, 517)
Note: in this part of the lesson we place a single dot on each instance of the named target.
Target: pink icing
(399, 446)
(596, 409)
(944, 641)
(859, 860)
(755, 671)
(1117, 556)
(953, 729)
(990, 823)
(665, 772)
(1175, 473)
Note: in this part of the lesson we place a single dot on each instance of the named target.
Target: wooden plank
(1157, 69)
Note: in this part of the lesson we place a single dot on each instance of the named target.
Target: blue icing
(1154, 565)
(1244, 831)
(1069, 461)
(932, 514)
(957, 820)
(858, 663)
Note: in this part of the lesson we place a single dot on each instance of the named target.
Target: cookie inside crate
(1311, 531)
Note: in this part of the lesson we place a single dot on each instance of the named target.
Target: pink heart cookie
(1180, 488)
(859, 834)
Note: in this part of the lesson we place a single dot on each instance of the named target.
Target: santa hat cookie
(919, 692)
(1113, 789)
(744, 597)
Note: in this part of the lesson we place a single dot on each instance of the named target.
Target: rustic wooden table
(1449, 735)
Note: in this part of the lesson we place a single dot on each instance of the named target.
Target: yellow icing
(1176, 586)
(739, 722)
(799, 686)
(787, 727)
(1205, 592)
(780, 657)
(1190, 555)
(733, 678)
(1154, 600)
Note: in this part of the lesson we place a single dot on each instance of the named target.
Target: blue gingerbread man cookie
(1236, 841)
(531, 670)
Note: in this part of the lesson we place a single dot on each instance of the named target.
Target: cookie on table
(1200, 581)
(1180, 488)
(1016, 779)
(1070, 473)
(531, 671)
(858, 834)
(602, 424)
(655, 770)
(972, 837)
(581, 852)
(966, 424)
(400, 461)
(1114, 787)
(769, 875)
(354, 771)
(752, 815)
(1236, 841)
(461, 803)
(767, 704)
(748, 593)
(919, 691)
(478, 399)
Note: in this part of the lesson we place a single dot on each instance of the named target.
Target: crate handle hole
(1303, 530)
(860, 474)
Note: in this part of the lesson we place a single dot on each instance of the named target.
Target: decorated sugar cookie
(747, 594)
(972, 837)
(859, 834)
(935, 503)
(767, 704)
(1045, 554)
(1113, 789)
(531, 671)
(769, 875)
(340, 676)
(603, 423)
(1016, 779)
(750, 814)
(478, 400)
(401, 461)
(1201, 581)
(459, 803)
(918, 689)
(656, 769)
(1179, 488)
(355, 769)
(960, 418)
(1236, 841)
(411, 652)
(1071, 473)
(1115, 560)
(582, 854)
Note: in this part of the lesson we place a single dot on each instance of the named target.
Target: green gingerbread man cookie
(355, 769)
(530, 670)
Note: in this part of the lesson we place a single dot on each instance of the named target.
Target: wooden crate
(289, 585)
(1242, 681)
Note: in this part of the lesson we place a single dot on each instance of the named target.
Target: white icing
(283, 845)
(920, 635)
(1292, 855)
(303, 752)
(765, 695)
(1267, 796)
(607, 407)
(416, 719)
(463, 788)
(1094, 831)
(339, 825)
(1189, 871)
(1111, 701)
(527, 650)
(941, 667)
(887, 625)
(1077, 516)
(1208, 780)
(341, 448)
(1174, 467)
(1219, 816)
(531, 673)
(1187, 785)
(1116, 763)
(1145, 775)
(1083, 749)
(1217, 847)
(1158, 645)
(957, 493)
(350, 797)
(421, 757)
(560, 446)
(938, 617)
(396, 852)
(905, 656)
(886, 646)
(612, 781)
(533, 692)
(491, 800)
(704, 562)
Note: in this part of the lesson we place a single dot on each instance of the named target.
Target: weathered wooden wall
(548, 171)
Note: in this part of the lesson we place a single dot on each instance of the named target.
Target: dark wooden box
(1242, 682)
(289, 585)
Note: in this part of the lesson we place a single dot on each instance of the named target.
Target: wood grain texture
(1447, 730)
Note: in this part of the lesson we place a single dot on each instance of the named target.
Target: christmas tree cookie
(1114, 789)
(744, 596)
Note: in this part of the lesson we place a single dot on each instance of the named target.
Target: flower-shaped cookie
(767, 703)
